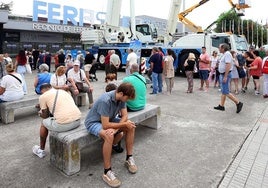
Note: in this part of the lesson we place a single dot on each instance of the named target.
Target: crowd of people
(107, 116)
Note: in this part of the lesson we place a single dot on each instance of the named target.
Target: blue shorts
(225, 86)
(96, 127)
(203, 74)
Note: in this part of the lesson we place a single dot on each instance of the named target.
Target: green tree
(255, 33)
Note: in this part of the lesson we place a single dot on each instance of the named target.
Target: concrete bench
(65, 147)
(7, 108)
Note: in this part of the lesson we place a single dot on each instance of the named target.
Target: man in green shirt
(139, 83)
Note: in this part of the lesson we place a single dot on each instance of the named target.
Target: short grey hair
(43, 67)
(225, 46)
(134, 67)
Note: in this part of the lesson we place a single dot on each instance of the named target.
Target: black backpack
(30, 59)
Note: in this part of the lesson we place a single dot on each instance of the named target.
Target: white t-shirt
(13, 88)
(226, 58)
(76, 75)
(58, 80)
(115, 60)
(214, 61)
(131, 58)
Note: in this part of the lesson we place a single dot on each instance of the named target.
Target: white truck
(194, 42)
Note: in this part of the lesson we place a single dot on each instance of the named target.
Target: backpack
(265, 67)
(30, 59)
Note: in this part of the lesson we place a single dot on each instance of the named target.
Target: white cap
(77, 62)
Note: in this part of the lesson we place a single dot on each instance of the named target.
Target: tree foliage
(256, 33)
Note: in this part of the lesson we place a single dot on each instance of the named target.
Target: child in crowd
(110, 78)
(110, 87)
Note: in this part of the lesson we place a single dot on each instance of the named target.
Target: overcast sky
(203, 15)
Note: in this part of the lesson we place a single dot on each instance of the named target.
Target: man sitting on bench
(139, 83)
(60, 114)
(103, 121)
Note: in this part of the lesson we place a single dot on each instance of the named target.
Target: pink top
(204, 61)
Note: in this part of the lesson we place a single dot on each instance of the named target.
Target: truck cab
(194, 42)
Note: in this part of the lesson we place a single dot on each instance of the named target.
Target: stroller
(92, 72)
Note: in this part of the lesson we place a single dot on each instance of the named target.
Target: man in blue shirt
(102, 121)
(157, 70)
(139, 83)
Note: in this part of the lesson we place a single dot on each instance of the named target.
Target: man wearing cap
(78, 76)
(81, 58)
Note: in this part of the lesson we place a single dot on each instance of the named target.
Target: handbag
(79, 86)
(28, 68)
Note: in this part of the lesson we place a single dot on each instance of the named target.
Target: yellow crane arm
(190, 24)
(187, 22)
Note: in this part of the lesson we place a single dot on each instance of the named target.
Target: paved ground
(194, 148)
(249, 168)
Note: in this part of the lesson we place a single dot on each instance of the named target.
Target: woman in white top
(168, 70)
(234, 72)
(11, 85)
(69, 61)
(59, 79)
(214, 60)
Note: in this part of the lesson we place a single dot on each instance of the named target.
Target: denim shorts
(203, 74)
(225, 86)
(96, 127)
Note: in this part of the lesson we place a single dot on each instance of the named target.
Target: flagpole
(238, 27)
(266, 31)
(252, 32)
(247, 31)
(242, 28)
(261, 34)
(257, 27)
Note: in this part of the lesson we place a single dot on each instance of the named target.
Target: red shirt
(107, 59)
(256, 72)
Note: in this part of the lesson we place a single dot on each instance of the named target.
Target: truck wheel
(181, 65)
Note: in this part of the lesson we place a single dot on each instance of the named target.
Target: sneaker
(265, 96)
(130, 164)
(219, 107)
(39, 152)
(110, 179)
(239, 107)
(117, 148)
(257, 92)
